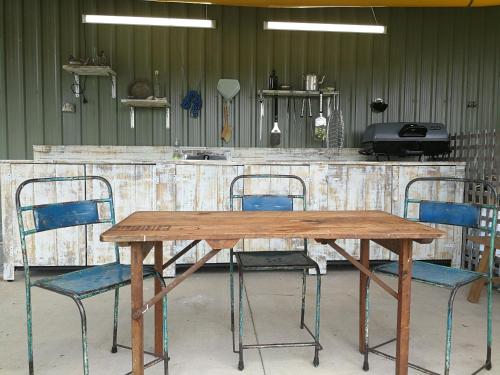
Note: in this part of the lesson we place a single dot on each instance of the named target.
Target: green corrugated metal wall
(428, 66)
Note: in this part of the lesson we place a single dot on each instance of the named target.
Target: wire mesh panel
(479, 152)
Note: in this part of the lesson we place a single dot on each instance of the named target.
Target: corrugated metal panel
(3, 88)
(428, 67)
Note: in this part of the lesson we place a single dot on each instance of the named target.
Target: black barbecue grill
(404, 139)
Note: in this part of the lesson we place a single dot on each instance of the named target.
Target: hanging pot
(378, 105)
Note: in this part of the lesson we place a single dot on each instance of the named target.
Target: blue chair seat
(434, 274)
(274, 259)
(89, 281)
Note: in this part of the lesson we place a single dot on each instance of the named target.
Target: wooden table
(222, 230)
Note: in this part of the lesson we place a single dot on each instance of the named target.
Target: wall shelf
(297, 93)
(92, 70)
(147, 103)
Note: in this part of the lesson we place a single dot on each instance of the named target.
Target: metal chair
(85, 283)
(272, 260)
(479, 217)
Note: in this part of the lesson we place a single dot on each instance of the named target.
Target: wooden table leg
(477, 286)
(137, 301)
(404, 302)
(158, 307)
(365, 261)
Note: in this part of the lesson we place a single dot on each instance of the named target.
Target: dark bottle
(273, 81)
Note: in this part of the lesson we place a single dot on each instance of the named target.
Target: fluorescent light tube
(330, 27)
(148, 21)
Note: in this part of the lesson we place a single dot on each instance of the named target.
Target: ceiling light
(331, 27)
(148, 21)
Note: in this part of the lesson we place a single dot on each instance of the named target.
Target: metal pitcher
(311, 82)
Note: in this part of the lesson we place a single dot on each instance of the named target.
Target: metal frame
(491, 229)
(241, 269)
(77, 298)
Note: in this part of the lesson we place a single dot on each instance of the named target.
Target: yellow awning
(344, 3)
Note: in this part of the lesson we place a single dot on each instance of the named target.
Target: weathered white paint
(181, 185)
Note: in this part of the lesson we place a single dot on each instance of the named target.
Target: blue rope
(192, 100)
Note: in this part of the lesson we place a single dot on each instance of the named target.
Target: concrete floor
(201, 339)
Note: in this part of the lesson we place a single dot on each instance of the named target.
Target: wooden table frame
(477, 287)
(159, 227)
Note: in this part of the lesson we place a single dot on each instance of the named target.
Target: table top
(150, 226)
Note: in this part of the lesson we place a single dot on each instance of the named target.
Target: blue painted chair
(272, 260)
(84, 283)
(469, 216)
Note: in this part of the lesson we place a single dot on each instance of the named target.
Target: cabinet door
(448, 247)
(202, 188)
(359, 187)
(62, 247)
(134, 189)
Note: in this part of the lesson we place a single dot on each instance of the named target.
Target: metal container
(311, 82)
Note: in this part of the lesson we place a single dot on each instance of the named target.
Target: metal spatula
(320, 121)
(275, 131)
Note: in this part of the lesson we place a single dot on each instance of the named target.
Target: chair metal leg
(165, 335)
(164, 304)
(302, 311)
(231, 287)
(241, 365)
(489, 338)
(449, 327)
(114, 348)
(366, 366)
(318, 300)
(30, 329)
(84, 336)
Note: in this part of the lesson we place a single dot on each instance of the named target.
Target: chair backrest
(481, 216)
(58, 215)
(268, 202)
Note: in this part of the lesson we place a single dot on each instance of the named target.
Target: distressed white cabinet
(204, 186)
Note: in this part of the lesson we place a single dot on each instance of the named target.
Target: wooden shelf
(299, 93)
(90, 70)
(146, 103)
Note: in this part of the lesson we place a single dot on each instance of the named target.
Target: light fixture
(330, 27)
(148, 21)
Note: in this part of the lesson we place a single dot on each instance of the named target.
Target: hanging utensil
(310, 107)
(320, 121)
(227, 131)
(275, 132)
(261, 117)
(335, 129)
(228, 89)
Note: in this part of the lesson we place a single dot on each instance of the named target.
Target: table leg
(137, 301)
(477, 287)
(404, 302)
(365, 261)
(158, 307)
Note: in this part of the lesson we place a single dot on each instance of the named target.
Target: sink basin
(206, 156)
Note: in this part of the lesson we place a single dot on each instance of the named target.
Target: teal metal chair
(471, 217)
(85, 283)
(271, 261)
